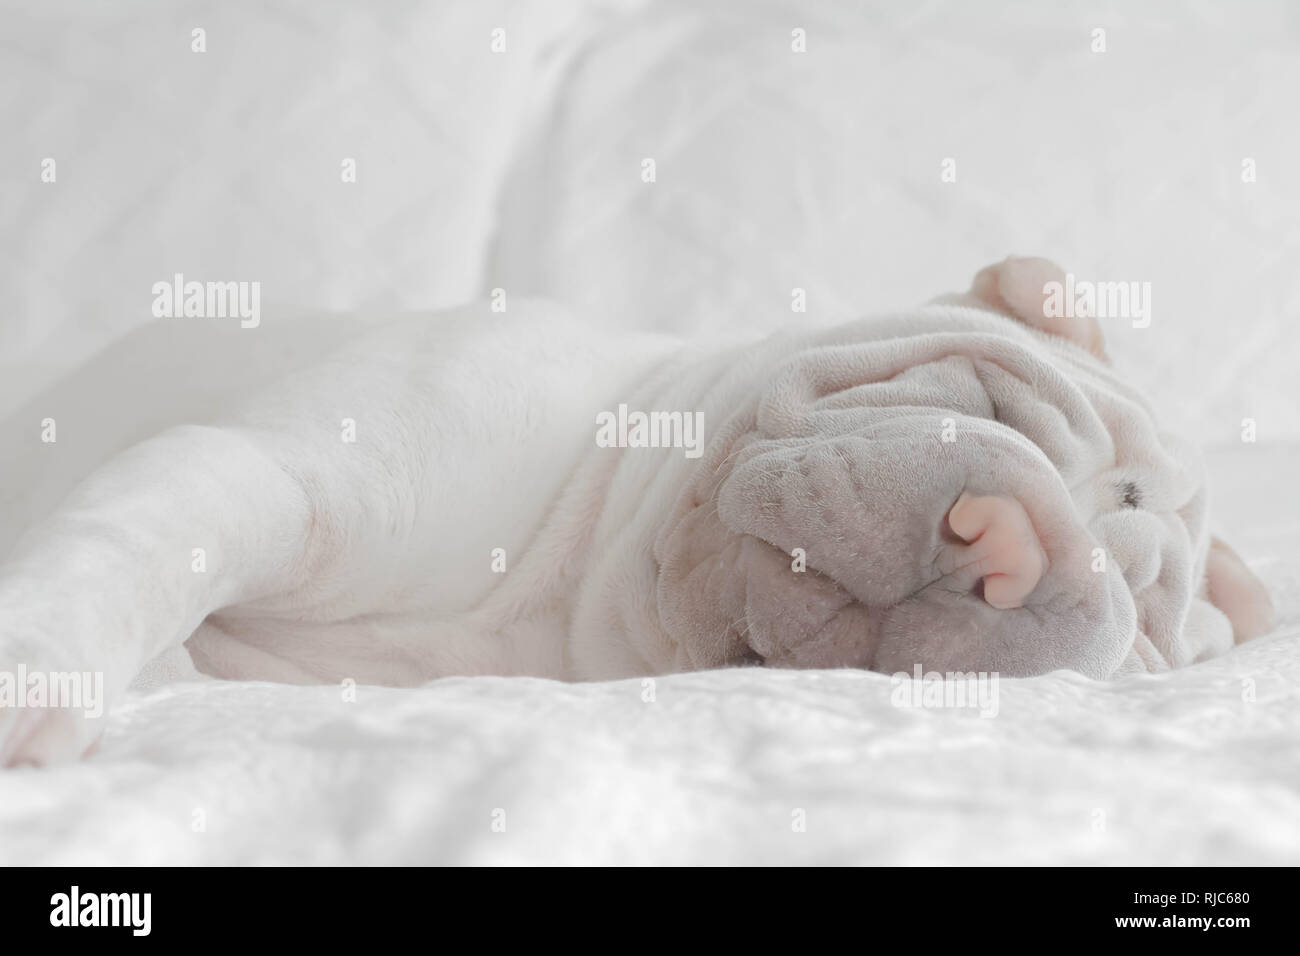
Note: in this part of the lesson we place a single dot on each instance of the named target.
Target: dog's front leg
(379, 481)
(192, 520)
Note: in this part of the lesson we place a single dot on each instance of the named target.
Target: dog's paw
(40, 735)
(998, 549)
(1234, 590)
(52, 710)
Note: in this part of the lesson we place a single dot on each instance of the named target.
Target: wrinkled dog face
(820, 530)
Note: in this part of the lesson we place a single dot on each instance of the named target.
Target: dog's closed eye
(1129, 495)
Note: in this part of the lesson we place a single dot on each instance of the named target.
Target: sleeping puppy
(966, 487)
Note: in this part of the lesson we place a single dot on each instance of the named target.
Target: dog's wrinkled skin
(272, 547)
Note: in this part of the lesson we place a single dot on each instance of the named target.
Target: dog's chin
(935, 629)
(848, 638)
(735, 600)
(728, 599)
(745, 607)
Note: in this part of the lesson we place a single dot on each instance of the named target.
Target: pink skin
(1001, 548)
(1234, 590)
(1015, 287)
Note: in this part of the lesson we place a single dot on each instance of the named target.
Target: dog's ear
(1234, 590)
(1019, 288)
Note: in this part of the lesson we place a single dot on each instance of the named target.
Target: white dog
(475, 493)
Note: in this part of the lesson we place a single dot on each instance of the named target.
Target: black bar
(334, 905)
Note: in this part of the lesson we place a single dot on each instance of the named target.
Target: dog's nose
(1000, 548)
